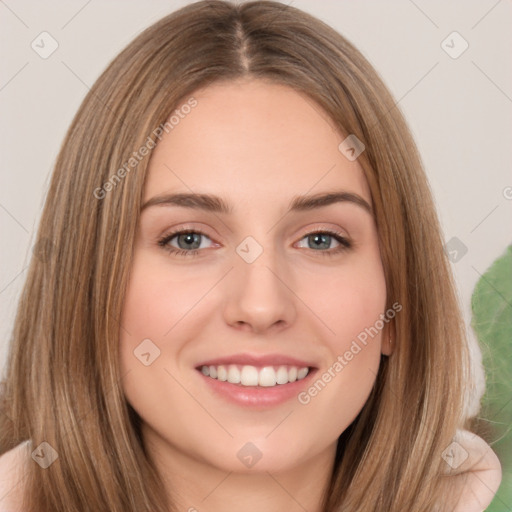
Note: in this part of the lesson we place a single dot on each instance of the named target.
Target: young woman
(239, 298)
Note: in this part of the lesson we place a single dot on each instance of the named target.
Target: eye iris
(189, 237)
(318, 236)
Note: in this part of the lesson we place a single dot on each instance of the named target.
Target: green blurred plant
(491, 306)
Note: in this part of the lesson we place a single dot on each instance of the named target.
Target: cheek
(152, 307)
(156, 301)
(351, 305)
(155, 306)
(348, 303)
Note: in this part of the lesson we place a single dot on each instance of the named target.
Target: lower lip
(257, 396)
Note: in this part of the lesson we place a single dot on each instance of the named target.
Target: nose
(260, 295)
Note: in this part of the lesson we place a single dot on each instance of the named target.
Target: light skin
(258, 146)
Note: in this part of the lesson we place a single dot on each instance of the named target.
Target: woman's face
(261, 293)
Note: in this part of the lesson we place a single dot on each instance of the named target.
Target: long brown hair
(63, 384)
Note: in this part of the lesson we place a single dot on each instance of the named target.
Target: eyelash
(345, 244)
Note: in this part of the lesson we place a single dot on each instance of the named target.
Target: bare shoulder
(12, 464)
(478, 472)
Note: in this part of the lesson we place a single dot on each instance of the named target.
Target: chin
(260, 455)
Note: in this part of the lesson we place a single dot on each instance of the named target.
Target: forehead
(249, 137)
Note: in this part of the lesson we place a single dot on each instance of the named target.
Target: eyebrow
(212, 203)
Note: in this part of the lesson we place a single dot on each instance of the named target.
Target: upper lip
(257, 360)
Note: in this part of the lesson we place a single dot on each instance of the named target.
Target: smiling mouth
(248, 375)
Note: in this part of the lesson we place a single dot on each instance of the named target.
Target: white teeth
(233, 374)
(282, 375)
(267, 377)
(300, 374)
(249, 375)
(222, 373)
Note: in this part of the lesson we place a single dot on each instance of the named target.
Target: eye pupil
(317, 236)
(189, 238)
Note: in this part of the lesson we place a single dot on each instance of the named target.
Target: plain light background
(459, 110)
